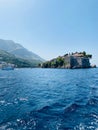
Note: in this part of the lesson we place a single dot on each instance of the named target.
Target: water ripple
(49, 99)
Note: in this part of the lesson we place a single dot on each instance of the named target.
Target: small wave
(23, 99)
(3, 127)
(94, 115)
(92, 101)
(2, 102)
(20, 99)
(45, 109)
(82, 126)
(58, 105)
(73, 107)
(2, 77)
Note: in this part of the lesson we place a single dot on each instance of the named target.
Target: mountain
(19, 62)
(18, 50)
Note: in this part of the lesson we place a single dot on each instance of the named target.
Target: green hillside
(19, 51)
(19, 62)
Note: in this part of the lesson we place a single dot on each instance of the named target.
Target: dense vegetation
(55, 63)
(19, 62)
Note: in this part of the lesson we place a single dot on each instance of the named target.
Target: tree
(60, 61)
(89, 56)
(84, 53)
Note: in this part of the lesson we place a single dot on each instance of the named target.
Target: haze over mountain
(18, 50)
(18, 62)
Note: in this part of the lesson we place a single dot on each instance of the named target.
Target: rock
(93, 66)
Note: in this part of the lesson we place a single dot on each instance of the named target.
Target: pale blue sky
(51, 27)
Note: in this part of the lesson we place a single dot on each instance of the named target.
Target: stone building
(76, 62)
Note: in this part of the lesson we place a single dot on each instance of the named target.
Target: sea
(49, 99)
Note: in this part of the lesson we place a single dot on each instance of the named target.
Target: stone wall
(77, 62)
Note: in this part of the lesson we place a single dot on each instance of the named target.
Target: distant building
(5, 65)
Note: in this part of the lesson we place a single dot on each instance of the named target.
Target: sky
(51, 28)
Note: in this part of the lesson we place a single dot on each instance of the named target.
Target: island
(70, 61)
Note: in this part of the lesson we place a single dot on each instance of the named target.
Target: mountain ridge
(18, 62)
(18, 50)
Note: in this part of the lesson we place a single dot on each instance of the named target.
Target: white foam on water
(2, 102)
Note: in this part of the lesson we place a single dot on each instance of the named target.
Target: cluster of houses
(6, 66)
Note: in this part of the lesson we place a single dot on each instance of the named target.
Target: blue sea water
(49, 99)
